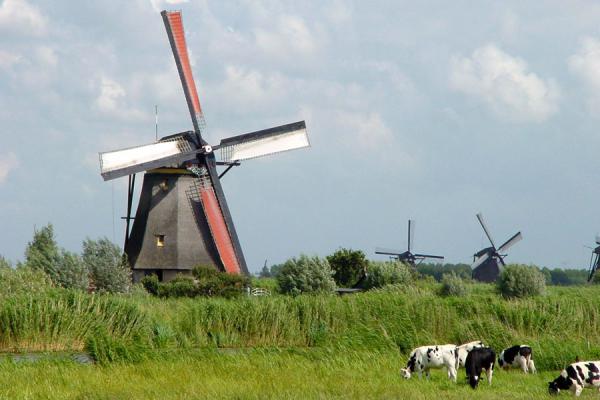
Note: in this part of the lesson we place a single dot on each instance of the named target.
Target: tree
(348, 266)
(306, 275)
(71, 272)
(387, 273)
(518, 280)
(4, 263)
(107, 266)
(265, 272)
(42, 253)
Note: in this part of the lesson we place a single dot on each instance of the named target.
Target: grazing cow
(463, 350)
(480, 359)
(517, 356)
(577, 376)
(424, 358)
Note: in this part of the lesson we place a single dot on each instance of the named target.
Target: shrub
(521, 281)
(348, 266)
(4, 263)
(42, 252)
(387, 273)
(108, 267)
(181, 286)
(453, 285)
(71, 272)
(151, 284)
(305, 275)
(211, 282)
(23, 280)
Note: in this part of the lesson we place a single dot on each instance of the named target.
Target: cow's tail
(530, 364)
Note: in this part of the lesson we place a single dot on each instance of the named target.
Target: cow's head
(405, 372)
(559, 383)
(553, 388)
(473, 381)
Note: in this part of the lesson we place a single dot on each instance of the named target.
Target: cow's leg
(427, 371)
(531, 365)
(452, 374)
(489, 372)
(523, 363)
(577, 389)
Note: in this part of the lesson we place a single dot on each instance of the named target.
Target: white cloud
(586, 65)
(291, 35)
(369, 129)
(505, 85)
(158, 5)
(8, 162)
(111, 100)
(19, 16)
(8, 59)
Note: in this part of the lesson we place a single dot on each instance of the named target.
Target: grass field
(257, 374)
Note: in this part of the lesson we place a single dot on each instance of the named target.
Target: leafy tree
(23, 280)
(438, 270)
(42, 253)
(517, 280)
(348, 266)
(108, 267)
(4, 263)
(306, 275)
(71, 272)
(265, 272)
(453, 285)
(387, 273)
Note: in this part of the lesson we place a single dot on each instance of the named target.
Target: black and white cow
(424, 358)
(480, 359)
(463, 350)
(577, 376)
(517, 356)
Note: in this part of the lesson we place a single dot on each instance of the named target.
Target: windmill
(182, 219)
(487, 262)
(407, 256)
(595, 260)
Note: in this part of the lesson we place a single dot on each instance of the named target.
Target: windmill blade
(501, 259)
(480, 260)
(411, 233)
(118, 163)
(487, 233)
(389, 252)
(264, 142)
(203, 191)
(429, 256)
(174, 27)
(517, 237)
(597, 239)
(593, 266)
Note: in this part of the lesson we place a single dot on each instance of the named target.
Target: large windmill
(595, 260)
(487, 262)
(407, 256)
(182, 219)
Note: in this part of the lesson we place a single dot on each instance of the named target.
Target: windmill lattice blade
(597, 239)
(389, 252)
(265, 142)
(115, 164)
(517, 237)
(429, 256)
(593, 266)
(176, 34)
(411, 234)
(480, 260)
(487, 233)
(501, 259)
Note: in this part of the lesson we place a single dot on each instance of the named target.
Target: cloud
(18, 16)
(158, 5)
(586, 65)
(111, 100)
(8, 59)
(8, 162)
(504, 84)
(291, 35)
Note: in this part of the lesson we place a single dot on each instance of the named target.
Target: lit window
(160, 240)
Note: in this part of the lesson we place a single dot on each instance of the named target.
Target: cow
(424, 358)
(577, 376)
(517, 356)
(463, 350)
(480, 359)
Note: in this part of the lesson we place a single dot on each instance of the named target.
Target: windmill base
(487, 272)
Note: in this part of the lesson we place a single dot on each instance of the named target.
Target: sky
(429, 110)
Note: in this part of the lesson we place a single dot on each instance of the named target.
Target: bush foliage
(306, 275)
(519, 280)
(453, 285)
(382, 273)
(108, 268)
(348, 266)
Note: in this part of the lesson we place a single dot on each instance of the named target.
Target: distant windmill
(182, 219)
(595, 260)
(407, 256)
(487, 262)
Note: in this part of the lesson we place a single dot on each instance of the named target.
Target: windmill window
(164, 185)
(160, 240)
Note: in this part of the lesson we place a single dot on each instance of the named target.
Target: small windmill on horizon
(407, 256)
(182, 219)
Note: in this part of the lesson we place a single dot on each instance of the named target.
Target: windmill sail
(174, 26)
(485, 229)
(265, 142)
(517, 237)
(118, 163)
